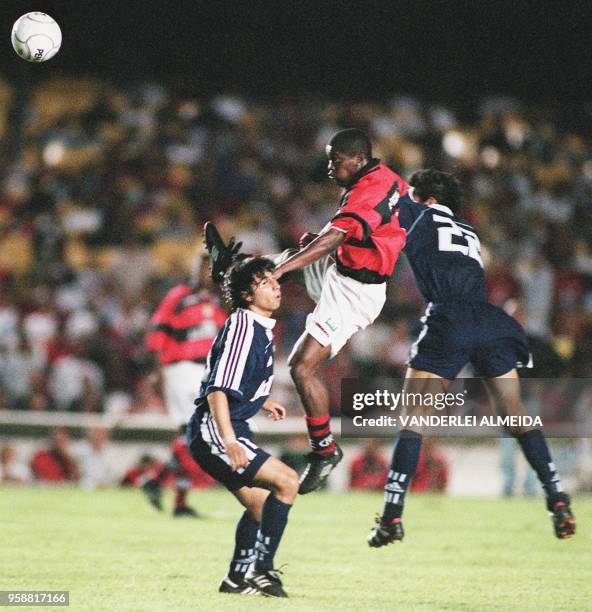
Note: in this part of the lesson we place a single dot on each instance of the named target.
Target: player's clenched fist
(306, 239)
(237, 455)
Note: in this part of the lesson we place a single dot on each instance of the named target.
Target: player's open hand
(237, 455)
(306, 239)
(275, 411)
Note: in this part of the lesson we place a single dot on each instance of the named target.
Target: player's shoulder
(381, 175)
(439, 210)
(241, 318)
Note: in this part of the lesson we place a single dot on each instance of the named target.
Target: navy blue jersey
(443, 252)
(240, 363)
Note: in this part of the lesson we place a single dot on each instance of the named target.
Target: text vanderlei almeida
(387, 400)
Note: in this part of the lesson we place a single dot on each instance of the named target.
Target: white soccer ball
(36, 37)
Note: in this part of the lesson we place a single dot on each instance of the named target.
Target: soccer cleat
(186, 511)
(221, 255)
(241, 587)
(564, 521)
(385, 533)
(317, 470)
(153, 492)
(267, 582)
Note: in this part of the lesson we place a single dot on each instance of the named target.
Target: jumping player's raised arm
(324, 244)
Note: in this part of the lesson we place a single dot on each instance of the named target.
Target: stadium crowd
(105, 189)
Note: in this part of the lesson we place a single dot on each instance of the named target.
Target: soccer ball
(36, 37)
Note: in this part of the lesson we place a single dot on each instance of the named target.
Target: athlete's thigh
(418, 385)
(309, 350)
(272, 473)
(505, 391)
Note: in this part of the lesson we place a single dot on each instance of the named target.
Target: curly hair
(442, 186)
(239, 279)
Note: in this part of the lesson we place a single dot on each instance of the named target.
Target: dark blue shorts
(456, 333)
(207, 449)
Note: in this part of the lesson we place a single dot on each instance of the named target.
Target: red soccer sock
(180, 497)
(319, 433)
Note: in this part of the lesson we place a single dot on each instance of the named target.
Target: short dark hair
(442, 186)
(239, 279)
(352, 142)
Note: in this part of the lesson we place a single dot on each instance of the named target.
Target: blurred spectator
(294, 451)
(432, 469)
(18, 368)
(56, 463)
(369, 469)
(106, 186)
(76, 383)
(11, 470)
(95, 470)
(136, 475)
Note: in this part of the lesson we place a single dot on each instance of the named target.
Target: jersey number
(466, 243)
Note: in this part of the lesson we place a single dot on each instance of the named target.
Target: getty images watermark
(379, 407)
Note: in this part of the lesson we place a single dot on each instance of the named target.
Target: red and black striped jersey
(367, 216)
(185, 325)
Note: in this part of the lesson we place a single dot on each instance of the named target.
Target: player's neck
(260, 311)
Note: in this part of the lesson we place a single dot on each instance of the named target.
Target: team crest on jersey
(394, 199)
(330, 323)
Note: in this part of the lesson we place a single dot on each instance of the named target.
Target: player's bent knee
(299, 369)
(286, 485)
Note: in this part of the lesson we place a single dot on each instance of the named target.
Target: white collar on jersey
(265, 321)
(442, 208)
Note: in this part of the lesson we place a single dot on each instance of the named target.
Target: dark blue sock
(403, 466)
(244, 547)
(535, 449)
(273, 523)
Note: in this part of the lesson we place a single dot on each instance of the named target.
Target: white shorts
(181, 387)
(344, 305)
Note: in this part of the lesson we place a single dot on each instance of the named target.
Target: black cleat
(385, 533)
(237, 588)
(153, 492)
(221, 255)
(186, 511)
(564, 521)
(268, 582)
(317, 470)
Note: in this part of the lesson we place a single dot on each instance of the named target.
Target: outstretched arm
(323, 245)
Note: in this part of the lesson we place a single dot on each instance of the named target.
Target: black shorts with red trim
(207, 449)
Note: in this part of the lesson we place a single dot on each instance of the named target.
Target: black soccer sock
(273, 523)
(535, 449)
(403, 466)
(244, 547)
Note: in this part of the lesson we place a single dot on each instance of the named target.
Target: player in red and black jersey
(345, 269)
(183, 328)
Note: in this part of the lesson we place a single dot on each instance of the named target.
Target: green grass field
(113, 552)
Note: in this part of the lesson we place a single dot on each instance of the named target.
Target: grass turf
(114, 552)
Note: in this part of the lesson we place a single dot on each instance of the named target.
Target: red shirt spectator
(55, 464)
(369, 469)
(432, 470)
